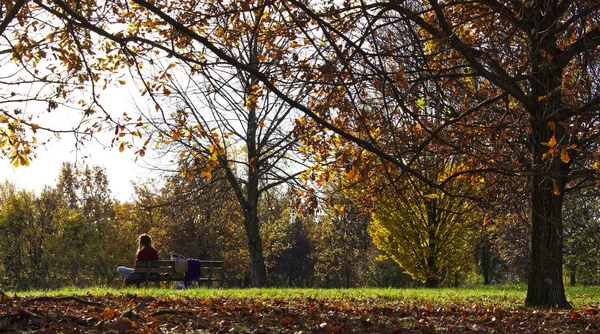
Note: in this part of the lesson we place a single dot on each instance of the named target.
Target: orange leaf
(353, 174)
(108, 313)
(551, 143)
(564, 156)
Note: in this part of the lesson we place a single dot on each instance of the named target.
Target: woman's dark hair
(145, 241)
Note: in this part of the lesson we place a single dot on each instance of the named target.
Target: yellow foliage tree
(430, 234)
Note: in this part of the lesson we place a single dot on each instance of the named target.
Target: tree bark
(251, 223)
(485, 262)
(257, 261)
(546, 288)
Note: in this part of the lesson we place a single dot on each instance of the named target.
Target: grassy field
(502, 295)
(480, 309)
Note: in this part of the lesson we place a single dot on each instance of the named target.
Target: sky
(44, 169)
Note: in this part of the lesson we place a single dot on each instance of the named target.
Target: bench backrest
(210, 270)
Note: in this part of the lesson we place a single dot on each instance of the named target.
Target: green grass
(500, 295)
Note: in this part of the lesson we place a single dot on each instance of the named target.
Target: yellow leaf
(556, 191)
(542, 98)
(122, 147)
(564, 156)
(262, 57)
(431, 196)
(122, 82)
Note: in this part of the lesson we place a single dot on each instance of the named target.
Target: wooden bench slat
(164, 270)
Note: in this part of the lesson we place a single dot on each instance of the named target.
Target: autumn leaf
(550, 143)
(108, 313)
(353, 174)
(564, 156)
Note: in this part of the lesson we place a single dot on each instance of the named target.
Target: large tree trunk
(546, 288)
(550, 174)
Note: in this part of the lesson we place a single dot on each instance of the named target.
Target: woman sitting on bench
(145, 253)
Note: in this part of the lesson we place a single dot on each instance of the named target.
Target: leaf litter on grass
(132, 313)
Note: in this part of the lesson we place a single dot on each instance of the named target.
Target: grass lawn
(501, 295)
(486, 309)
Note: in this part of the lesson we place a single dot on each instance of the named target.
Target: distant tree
(15, 219)
(288, 243)
(429, 233)
(342, 242)
(582, 238)
(197, 218)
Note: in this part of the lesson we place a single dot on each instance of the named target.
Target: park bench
(164, 271)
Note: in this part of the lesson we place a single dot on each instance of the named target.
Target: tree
(289, 247)
(430, 234)
(342, 241)
(582, 237)
(523, 72)
(15, 219)
(196, 218)
(225, 119)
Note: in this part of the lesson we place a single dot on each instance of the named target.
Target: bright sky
(44, 169)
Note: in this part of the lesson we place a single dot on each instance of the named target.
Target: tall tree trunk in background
(251, 220)
(255, 248)
(485, 262)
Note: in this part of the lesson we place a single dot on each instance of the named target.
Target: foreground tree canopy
(508, 88)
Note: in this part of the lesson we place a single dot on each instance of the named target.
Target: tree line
(75, 233)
